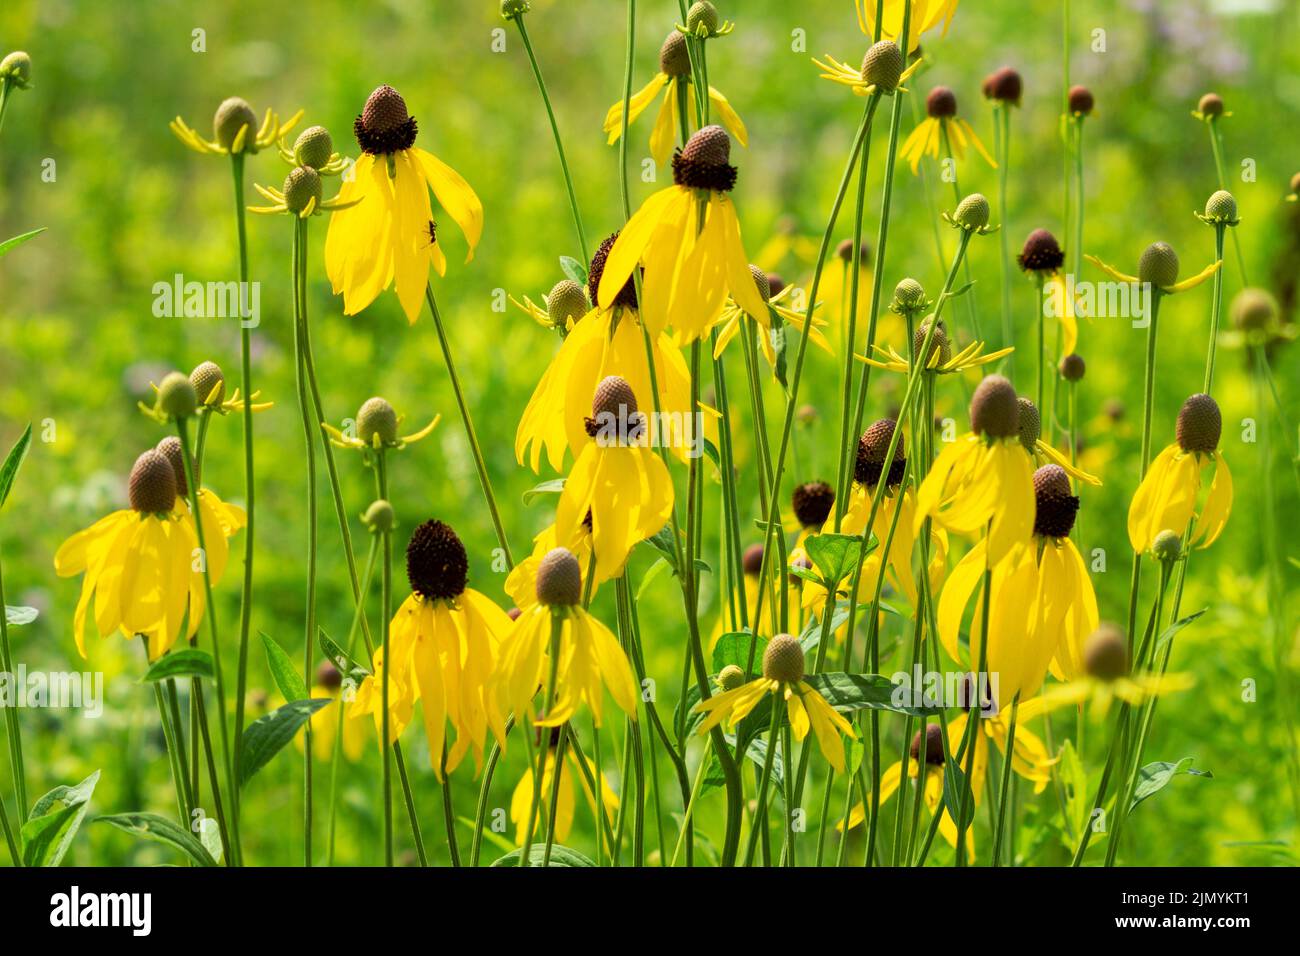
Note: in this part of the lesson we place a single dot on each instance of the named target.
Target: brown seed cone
(437, 566)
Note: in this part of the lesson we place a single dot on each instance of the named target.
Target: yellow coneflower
(941, 123)
(209, 383)
(1158, 267)
(688, 239)
(138, 564)
(555, 645)
(1168, 495)
(777, 298)
(783, 673)
(389, 237)
(882, 70)
(1104, 676)
(926, 15)
(521, 582)
(941, 359)
(1040, 452)
(608, 340)
(1042, 605)
(235, 129)
(443, 642)
(619, 490)
(220, 519)
(674, 80)
(1029, 759)
(561, 308)
(1042, 257)
(983, 479)
(301, 196)
(376, 426)
(521, 799)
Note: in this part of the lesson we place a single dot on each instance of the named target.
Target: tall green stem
(16, 764)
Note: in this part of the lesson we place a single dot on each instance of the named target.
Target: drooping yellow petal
(454, 195)
(1218, 504)
(613, 125)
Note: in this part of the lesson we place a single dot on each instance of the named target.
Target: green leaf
(734, 648)
(152, 826)
(340, 658)
(265, 736)
(756, 752)
(496, 839)
(20, 615)
(955, 790)
(54, 821)
(834, 555)
(811, 635)
(711, 450)
(655, 570)
(1077, 802)
(561, 856)
(210, 837)
(1154, 777)
(287, 680)
(574, 269)
(852, 692)
(1168, 634)
(14, 461)
(190, 662)
(552, 487)
(10, 244)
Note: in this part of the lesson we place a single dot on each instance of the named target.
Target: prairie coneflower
(561, 308)
(1042, 604)
(783, 673)
(619, 490)
(983, 478)
(1105, 675)
(521, 798)
(882, 70)
(674, 81)
(1040, 452)
(1043, 258)
(941, 359)
(387, 235)
(941, 123)
(688, 239)
(210, 388)
(1029, 758)
(605, 341)
(1158, 266)
(220, 519)
(236, 130)
(1168, 495)
(556, 646)
(376, 427)
(777, 300)
(138, 564)
(443, 644)
(925, 16)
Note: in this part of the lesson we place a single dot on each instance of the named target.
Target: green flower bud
(379, 517)
(176, 396)
(301, 187)
(16, 68)
(313, 147)
(972, 212)
(233, 115)
(702, 14)
(1158, 265)
(377, 417)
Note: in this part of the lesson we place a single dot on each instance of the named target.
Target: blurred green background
(129, 206)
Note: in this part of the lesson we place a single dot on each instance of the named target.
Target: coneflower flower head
(151, 489)
(1004, 85)
(702, 20)
(812, 503)
(938, 343)
(314, 147)
(775, 284)
(1200, 424)
(1056, 505)
(1158, 265)
(873, 446)
(762, 281)
(1210, 106)
(384, 125)
(1105, 654)
(626, 297)
(1221, 207)
(1253, 309)
(437, 566)
(704, 162)
(972, 214)
(1041, 253)
(883, 66)
(845, 251)
(1167, 547)
(514, 8)
(209, 383)
(1072, 367)
(328, 676)
(559, 579)
(909, 296)
(170, 448)
(1031, 424)
(1081, 102)
(941, 103)
(933, 745)
(995, 408)
(379, 517)
(783, 659)
(730, 677)
(16, 69)
(302, 188)
(752, 560)
(566, 301)
(233, 115)
(377, 418)
(674, 57)
(177, 398)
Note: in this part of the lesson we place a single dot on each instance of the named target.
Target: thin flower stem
(634, 729)
(1039, 309)
(592, 778)
(246, 418)
(218, 806)
(1148, 393)
(555, 131)
(971, 307)
(14, 855)
(760, 813)
(179, 782)
(1079, 185)
(966, 813)
(470, 435)
(16, 763)
(557, 635)
(5, 86)
(1002, 127)
(1216, 145)
(309, 435)
(553, 809)
(191, 482)
(778, 466)
(385, 612)
(690, 808)
(1005, 790)
(494, 757)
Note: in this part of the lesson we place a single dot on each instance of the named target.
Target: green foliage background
(128, 207)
